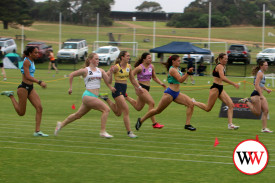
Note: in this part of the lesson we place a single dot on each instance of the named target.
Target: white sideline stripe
(85, 147)
(86, 143)
(173, 136)
(224, 129)
(119, 155)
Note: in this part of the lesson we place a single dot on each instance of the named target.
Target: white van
(73, 49)
(8, 45)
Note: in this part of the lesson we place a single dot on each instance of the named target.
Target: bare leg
(114, 106)
(265, 110)
(49, 67)
(185, 100)
(123, 108)
(255, 105)
(164, 102)
(20, 106)
(35, 101)
(213, 95)
(228, 101)
(3, 72)
(55, 68)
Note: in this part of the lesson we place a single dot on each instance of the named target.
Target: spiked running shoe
(57, 128)
(138, 124)
(243, 100)
(7, 93)
(233, 127)
(103, 96)
(266, 130)
(157, 125)
(106, 135)
(189, 127)
(132, 135)
(40, 134)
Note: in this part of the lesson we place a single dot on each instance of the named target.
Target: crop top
(262, 82)
(145, 74)
(93, 78)
(31, 68)
(215, 73)
(122, 74)
(171, 79)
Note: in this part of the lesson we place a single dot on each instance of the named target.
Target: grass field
(171, 154)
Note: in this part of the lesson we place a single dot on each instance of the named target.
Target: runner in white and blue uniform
(92, 77)
(257, 101)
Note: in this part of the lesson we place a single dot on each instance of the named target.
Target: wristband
(139, 87)
(39, 82)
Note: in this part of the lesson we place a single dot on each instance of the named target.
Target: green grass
(171, 154)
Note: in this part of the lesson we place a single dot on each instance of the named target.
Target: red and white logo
(250, 157)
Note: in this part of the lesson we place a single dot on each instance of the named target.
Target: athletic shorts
(88, 93)
(172, 93)
(255, 93)
(120, 89)
(29, 88)
(145, 87)
(219, 87)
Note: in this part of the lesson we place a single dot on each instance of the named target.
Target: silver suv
(73, 49)
(8, 45)
(107, 54)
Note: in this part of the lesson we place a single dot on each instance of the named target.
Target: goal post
(127, 46)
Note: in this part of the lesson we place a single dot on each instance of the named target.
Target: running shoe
(232, 127)
(243, 100)
(7, 93)
(57, 128)
(106, 135)
(40, 134)
(266, 130)
(5, 79)
(103, 96)
(138, 124)
(157, 125)
(132, 135)
(189, 127)
(193, 100)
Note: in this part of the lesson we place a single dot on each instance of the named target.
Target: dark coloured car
(42, 49)
(238, 53)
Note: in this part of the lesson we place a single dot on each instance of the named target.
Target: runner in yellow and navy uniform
(172, 93)
(122, 71)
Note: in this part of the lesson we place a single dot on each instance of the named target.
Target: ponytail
(257, 68)
(221, 55)
(170, 60)
(140, 60)
(121, 54)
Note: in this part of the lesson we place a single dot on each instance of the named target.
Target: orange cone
(73, 107)
(216, 142)
(257, 138)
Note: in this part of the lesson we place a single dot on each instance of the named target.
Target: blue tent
(180, 48)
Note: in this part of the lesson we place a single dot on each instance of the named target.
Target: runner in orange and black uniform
(217, 91)
(52, 61)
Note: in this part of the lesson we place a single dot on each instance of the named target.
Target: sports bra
(93, 78)
(145, 74)
(215, 73)
(31, 68)
(262, 82)
(171, 79)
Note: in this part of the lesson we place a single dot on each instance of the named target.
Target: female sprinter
(258, 104)
(122, 71)
(145, 70)
(92, 77)
(26, 90)
(172, 93)
(217, 91)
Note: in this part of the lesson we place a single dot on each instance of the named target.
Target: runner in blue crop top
(217, 91)
(172, 93)
(26, 91)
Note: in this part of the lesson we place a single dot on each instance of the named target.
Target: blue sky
(167, 5)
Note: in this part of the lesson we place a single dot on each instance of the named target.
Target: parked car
(8, 45)
(267, 54)
(238, 53)
(199, 58)
(42, 50)
(107, 54)
(73, 49)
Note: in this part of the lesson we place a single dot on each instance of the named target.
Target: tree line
(83, 12)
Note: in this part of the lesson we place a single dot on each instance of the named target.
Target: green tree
(149, 6)
(15, 11)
